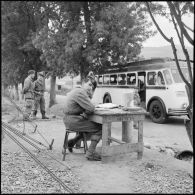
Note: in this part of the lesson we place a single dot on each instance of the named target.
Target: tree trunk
(189, 122)
(52, 91)
(16, 92)
(22, 90)
(189, 129)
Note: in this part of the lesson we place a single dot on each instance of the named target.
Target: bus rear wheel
(157, 112)
(107, 99)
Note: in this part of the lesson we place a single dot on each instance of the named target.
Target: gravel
(21, 174)
(154, 178)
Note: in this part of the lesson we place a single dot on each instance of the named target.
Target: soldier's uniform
(28, 94)
(76, 105)
(39, 88)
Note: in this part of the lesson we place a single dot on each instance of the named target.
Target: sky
(169, 31)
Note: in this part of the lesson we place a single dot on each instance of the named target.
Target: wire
(21, 136)
(37, 161)
(58, 161)
(43, 137)
(20, 110)
(14, 130)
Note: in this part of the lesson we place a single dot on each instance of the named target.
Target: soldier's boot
(43, 116)
(34, 114)
(91, 154)
(73, 141)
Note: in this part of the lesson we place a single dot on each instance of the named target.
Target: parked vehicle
(158, 82)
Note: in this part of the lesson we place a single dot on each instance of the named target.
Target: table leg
(127, 128)
(140, 139)
(109, 132)
(105, 142)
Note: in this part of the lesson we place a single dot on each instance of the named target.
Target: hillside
(165, 51)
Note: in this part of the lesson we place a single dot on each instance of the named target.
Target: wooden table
(106, 117)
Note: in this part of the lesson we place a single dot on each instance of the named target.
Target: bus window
(131, 79)
(113, 79)
(151, 78)
(106, 79)
(167, 77)
(160, 79)
(176, 75)
(100, 80)
(122, 79)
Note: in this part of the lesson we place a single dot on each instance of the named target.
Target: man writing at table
(77, 105)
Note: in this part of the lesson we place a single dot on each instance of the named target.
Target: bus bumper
(177, 112)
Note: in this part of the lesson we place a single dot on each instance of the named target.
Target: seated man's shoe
(45, 117)
(74, 141)
(94, 156)
(71, 144)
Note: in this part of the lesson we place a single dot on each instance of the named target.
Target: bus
(158, 82)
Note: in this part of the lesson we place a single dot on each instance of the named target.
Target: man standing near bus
(39, 88)
(28, 93)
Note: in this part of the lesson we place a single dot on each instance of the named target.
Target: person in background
(160, 80)
(39, 88)
(152, 80)
(28, 93)
(77, 105)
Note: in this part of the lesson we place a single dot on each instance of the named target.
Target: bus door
(156, 95)
(142, 87)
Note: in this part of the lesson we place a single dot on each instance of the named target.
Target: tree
(177, 10)
(83, 36)
(19, 20)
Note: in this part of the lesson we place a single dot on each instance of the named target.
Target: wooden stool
(65, 146)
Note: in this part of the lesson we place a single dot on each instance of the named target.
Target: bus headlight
(180, 93)
(184, 105)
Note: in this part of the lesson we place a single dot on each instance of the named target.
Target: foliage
(19, 20)
(83, 36)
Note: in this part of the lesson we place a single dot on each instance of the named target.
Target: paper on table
(131, 108)
(107, 105)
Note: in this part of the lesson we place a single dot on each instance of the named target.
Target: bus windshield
(176, 76)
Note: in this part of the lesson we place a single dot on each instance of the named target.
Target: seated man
(77, 105)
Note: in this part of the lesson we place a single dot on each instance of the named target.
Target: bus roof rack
(145, 61)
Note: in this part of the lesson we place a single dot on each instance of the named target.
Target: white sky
(169, 31)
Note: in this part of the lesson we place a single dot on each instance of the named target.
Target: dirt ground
(155, 173)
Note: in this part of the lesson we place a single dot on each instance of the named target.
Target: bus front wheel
(107, 99)
(157, 112)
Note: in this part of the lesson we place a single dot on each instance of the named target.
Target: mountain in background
(165, 51)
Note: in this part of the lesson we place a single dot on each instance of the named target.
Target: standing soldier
(39, 88)
(28, 93)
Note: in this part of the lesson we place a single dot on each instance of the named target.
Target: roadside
(156, 173)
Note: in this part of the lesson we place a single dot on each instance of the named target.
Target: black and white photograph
(97, 97)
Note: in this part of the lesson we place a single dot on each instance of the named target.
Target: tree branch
(157, 26)
(188, 27)
(186, 56)
(172, 8)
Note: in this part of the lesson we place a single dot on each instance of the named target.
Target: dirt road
(157, 172)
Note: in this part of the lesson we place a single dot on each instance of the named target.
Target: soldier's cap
(31, 72)
(41, 74)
